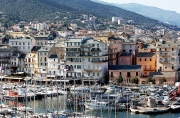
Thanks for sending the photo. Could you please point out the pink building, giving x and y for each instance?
(125, 59)
(126, 71)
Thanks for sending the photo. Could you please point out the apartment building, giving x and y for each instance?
(15, 61)
(41, 39)
(130, 46)
(114, 50)
(24, 44)
(21, 63)
(55, 67)
(86, 58)
(167, 56)
(5, 59)
(43, 54)
(148, 62)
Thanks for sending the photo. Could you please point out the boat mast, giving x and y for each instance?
(34, 94)
(26, 101)
(57, 94)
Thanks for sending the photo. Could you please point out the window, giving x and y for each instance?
(145, 59)
(128, 74)
(88, 73)
(44, 69)
(119, 73)
(93, 74)
(78, 66)
(98, 45)
(111, 74)
(97, 74)
(54, 72)
(172, 49)
(139, 59)
(74, 66)
(124, 50)
(130, 51)
(150, 59)
(136, 73)
(88, 59)
(23, 47)
(28, 47)
(172, 67)
(165, 49)
(12, 43)
(130, 46)
(19, 43)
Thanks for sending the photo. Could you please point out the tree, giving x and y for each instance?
(134, 80)
(150, 79)
(119, 80)
(162, 80)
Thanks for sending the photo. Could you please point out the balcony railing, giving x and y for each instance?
(164, 54)
(92, 69)
(99, 61)
(164, 61)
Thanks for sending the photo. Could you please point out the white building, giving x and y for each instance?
(121, 21)
(92, 19)
(40, 26)
(65, 33)
(85, 17)
(115, 19)
(86, 58)
(55, 66)
(23, 44)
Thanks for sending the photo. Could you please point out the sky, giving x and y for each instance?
(173, 5)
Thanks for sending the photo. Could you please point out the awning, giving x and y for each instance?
(51, 76)
(27, 78)
(13, 78)
(60, 80)
(19, 73)
(42, 80)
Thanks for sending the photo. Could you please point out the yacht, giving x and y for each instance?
(80, 88)
(113, 87)
(100, 105)
(175, 106)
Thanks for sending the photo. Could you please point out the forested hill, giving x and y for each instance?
(49, 9)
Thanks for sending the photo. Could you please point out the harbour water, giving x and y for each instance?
(51, 104)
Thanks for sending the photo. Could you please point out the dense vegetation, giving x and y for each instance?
(43, 10)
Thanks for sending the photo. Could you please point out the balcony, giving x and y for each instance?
(149, 69)
(92, 69)
(5, 57)
(99, 61)
(95, 50)
(164, 61)
(70, 70)
(165, 54)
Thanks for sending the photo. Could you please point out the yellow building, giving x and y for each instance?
(32, 61)
(17, 34)
(148, 62)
